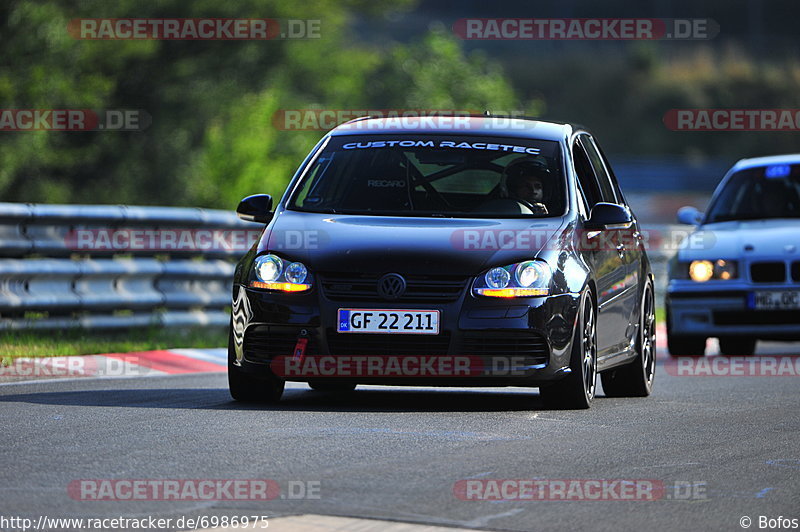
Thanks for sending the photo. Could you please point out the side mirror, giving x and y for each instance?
(255, 208)
(608, 216)
(689, 216)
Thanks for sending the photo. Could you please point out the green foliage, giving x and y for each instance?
(213, 138)
(243, 152)
(623, 97)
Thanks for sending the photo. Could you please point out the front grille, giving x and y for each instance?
(768, 272)
(419, 288)
(357, 344)
(761, 317)
(531, 345)
(796, 271)
(262, 343)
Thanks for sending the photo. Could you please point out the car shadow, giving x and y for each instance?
(297, 400)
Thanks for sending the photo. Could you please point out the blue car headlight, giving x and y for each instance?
(524, 279)
(270, 272)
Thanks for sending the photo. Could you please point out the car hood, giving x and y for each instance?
(381, 244)
(733, 239)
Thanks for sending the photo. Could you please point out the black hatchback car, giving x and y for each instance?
(471, 251)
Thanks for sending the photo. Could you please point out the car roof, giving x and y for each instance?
(477, 125)
(755, 162)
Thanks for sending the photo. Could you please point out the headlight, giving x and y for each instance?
(268, 267)
(497, 278)
(270, 274)
(528, 273)
(296, 273)
(726, 269)
(525, 279)
(706, 270)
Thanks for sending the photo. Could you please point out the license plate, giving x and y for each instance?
(775, 300)
(385, 321)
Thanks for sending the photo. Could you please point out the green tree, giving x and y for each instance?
(243, 152)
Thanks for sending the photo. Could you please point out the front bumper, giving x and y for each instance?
(524, 341)
(723, 311)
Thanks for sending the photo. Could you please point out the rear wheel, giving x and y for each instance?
(249, 388)
(733, 346)
(577, 389)
(636, 379)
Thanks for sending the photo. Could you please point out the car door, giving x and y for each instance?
(628, 241)
(603, 256)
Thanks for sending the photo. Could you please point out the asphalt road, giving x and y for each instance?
(722, 447)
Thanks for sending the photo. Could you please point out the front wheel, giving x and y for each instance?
(576, 391)
(680, 345)
(685, 346)
(248, 388)
(636, 378)
(733, 346)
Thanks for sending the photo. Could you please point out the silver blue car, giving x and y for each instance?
(737, 276)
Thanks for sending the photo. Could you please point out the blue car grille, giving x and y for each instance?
(768, 272)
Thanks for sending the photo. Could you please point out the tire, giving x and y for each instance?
(250, 389)
(636, 378)
(681, 345)
(686, 346)
(332, 386)
(737, 346)
(576, 391)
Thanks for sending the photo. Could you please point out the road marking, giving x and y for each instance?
(113, 365)
(482, 521)
(324, 523)
(217, 356)
(169, 362)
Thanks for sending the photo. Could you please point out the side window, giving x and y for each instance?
(586, 178)
(606, 188)
(614, 182)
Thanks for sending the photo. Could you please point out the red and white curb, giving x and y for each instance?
(138, 364)
(661, 336)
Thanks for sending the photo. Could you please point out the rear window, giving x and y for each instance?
(451, 176)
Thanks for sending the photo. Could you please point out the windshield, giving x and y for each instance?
(434, 175)
(757, 193)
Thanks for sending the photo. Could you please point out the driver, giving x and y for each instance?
(526, 180)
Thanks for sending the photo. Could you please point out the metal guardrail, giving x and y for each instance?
(65, 266)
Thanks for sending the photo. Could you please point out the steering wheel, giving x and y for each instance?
(535, 208)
